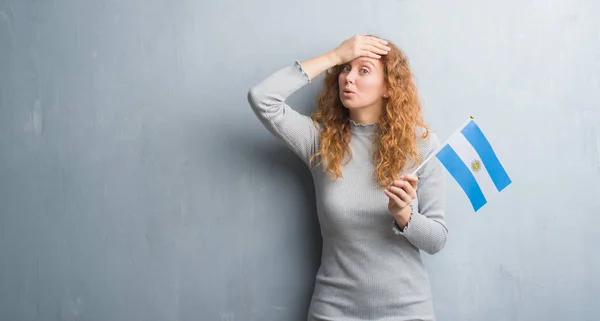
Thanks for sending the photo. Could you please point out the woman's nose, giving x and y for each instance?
(350, 77)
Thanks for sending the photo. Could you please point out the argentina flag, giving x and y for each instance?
(471, 160)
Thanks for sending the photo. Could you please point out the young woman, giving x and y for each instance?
(362, 144)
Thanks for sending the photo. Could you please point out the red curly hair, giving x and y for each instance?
(400, 120)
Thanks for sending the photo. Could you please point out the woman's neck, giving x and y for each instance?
(366, 115)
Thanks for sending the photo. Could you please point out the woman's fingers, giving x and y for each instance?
(407, 187)
(377, 50)
(378, 43)
(380, 46)
(412, 179)
(395, 201)
(391, 195)
(401, 194)
(377, 40)
(361, 45)
(372, 46)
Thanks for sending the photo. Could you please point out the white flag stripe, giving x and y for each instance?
(467, 154)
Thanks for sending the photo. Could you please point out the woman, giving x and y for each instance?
(361, 145)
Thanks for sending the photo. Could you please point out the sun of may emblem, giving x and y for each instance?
(476, 165)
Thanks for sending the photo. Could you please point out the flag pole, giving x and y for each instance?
(441, 146)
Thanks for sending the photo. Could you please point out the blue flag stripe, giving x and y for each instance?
(462, 174)
(475, 136)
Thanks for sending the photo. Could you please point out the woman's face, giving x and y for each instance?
(362, 84)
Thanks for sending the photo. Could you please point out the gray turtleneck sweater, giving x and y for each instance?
(367, 272)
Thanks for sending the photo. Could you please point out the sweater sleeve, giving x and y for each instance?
(267, 100)
(427, 229)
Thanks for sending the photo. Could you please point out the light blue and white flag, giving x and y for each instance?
(470, 159)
